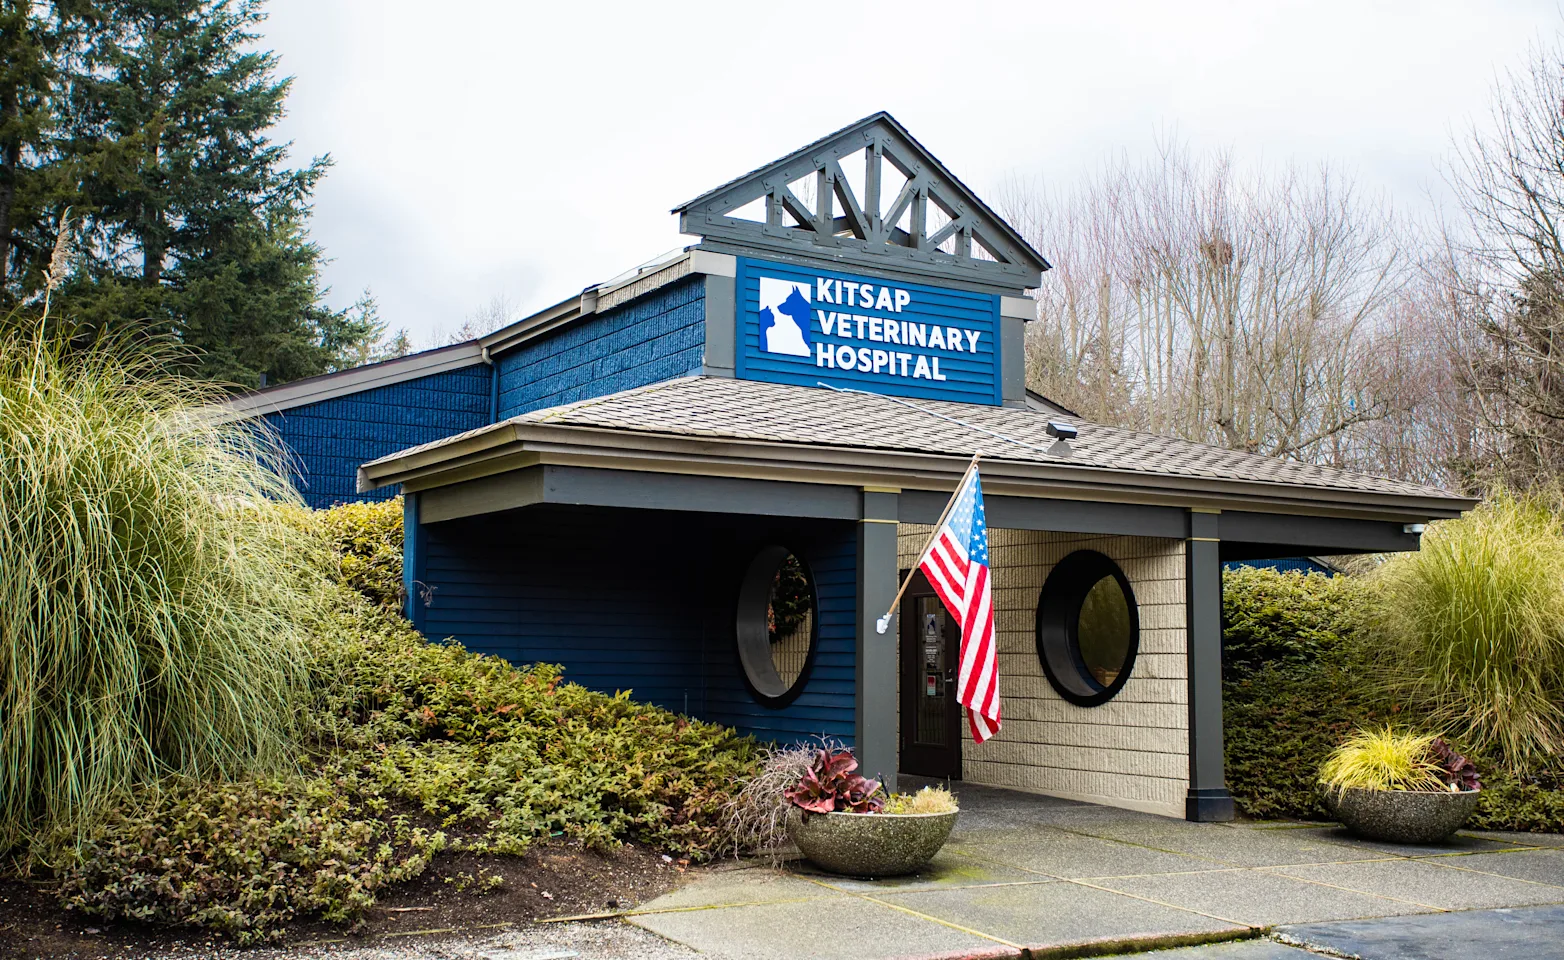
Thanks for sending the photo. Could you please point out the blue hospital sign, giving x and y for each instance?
(806, 326)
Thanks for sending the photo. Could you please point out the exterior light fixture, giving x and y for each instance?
(1062, 431)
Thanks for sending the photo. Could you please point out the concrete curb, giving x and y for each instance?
(1101, 947)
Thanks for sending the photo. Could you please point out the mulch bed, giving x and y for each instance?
(549, 881)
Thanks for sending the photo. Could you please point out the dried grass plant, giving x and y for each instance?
(155, 587)
(1473, 625)
(757, 816)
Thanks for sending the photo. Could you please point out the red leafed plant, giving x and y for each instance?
(831, 784)
(1456, 771)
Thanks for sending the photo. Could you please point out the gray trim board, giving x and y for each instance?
(721, 326)
(1265, 531)
(1012, 361)
(878, 572)
(591, 486)
(496, 449)
(1061, 516)
(1021, 308)
(1207, 800)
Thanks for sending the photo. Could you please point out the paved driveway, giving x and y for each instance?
(1024, 872)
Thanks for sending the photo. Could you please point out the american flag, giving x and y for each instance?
(957, 565)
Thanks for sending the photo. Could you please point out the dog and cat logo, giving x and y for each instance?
(891, 337)
(784, 317)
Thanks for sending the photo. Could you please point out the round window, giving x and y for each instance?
(1087, 628)
(777, 625)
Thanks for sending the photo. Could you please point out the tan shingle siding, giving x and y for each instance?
(1134, 749)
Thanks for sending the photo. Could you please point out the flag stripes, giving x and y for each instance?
(956, 565)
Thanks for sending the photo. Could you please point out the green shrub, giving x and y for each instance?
(245, 858)
(1279, 618)
(1280, 724)
(494, 756)
(513, 754)
(1533, 802)
(154, 598)
(367, 539)
(1473, 625)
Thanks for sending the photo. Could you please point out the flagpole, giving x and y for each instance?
(884, 623)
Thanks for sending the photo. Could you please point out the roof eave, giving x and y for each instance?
(329, 386)
(504, 447)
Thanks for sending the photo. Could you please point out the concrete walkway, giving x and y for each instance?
(1029, 873)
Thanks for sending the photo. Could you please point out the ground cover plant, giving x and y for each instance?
(932, 799)
(417, 751)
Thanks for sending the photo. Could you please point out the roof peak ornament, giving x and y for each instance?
(907, 213)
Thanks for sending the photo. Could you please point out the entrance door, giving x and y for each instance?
(930, 716)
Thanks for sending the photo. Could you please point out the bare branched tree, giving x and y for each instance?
(498, 312)
(1434, 432)
(1502, 273)
(1250, 311)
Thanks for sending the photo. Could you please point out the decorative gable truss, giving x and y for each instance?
(905, 212)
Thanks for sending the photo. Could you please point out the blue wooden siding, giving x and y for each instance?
(331, 438)
(657, 337)
(827, 704)
(641, 601)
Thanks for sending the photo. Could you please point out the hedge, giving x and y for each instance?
(1297, 650)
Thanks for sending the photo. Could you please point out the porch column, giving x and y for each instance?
(1208, 799)
(412, 559)
(876, 673)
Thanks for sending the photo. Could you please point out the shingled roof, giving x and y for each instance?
(726, 409)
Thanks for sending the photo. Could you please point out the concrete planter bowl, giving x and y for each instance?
(870, 844)
(1402, 816)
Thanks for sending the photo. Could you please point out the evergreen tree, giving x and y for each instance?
(193, 222)
(36, 46)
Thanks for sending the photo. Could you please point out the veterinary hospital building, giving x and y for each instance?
(704, 479)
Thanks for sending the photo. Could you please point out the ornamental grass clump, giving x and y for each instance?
(1474, 624)
(155, 589)
(927, 800)
(1384, 759)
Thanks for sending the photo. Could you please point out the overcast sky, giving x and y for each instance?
(531, 149)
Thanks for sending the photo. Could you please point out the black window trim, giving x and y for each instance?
(1058, 622)
(754, 596)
